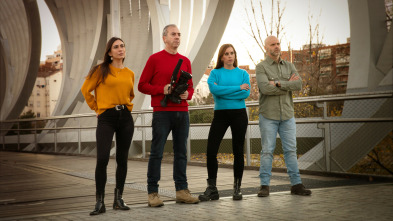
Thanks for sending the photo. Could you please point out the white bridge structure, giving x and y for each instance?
(85, 26)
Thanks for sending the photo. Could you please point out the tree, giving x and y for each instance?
(389, 13)
(202, 116)
(26, 124)
(258, 26)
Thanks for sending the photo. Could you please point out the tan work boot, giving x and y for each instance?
(154, 200)
(184, 196)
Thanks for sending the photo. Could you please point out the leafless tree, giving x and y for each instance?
(314, 45)
(259, 27)
(389, 13)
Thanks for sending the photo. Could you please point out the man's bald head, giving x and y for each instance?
(272, 47)
(270, 38)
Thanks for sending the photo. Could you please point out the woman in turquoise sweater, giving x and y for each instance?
(230, 87)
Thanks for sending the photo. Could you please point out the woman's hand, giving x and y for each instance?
(245, 87)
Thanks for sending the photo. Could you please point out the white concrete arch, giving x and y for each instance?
(20, 38)
(200, 35)
(137, 35)
(80, 25)
(370, 70)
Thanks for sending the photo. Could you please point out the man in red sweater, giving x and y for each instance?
(155, 81)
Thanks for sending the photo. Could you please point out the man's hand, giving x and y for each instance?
(184, 95)
(294, 77)
(272, 83)
(245, 87)
(167, 89)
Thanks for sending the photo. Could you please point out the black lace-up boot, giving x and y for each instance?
(237, 194)
(211, 192)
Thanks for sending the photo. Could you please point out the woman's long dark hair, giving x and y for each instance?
(104, 66)
(221, 53)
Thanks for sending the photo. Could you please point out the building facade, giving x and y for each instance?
(47, 86)
(324, 69)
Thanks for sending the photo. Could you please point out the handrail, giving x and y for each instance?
(324, 98)
(298, 121)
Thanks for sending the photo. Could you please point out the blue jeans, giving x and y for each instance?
(287, 131)
(163, 123)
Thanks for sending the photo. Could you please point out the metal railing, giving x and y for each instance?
(144, 125)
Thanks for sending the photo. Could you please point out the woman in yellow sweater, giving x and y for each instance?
(113, 86)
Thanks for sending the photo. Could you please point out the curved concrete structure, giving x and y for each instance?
(370, 70)
(20, 50)
(85, 26)
(82, 31)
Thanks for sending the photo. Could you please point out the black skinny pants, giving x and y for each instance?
(109, 122)
(236, 119)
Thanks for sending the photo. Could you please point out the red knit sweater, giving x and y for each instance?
(157, 73)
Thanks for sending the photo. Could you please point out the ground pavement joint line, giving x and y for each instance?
(136, 186)
(25, 167)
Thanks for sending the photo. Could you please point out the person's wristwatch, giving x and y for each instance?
(276, 83)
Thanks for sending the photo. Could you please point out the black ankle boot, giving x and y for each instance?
(237, 194)
(118, 202)
(100, 206)
(211, 192)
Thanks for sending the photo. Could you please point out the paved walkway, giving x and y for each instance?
(56, 187)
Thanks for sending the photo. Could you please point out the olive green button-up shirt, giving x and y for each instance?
(276, 103)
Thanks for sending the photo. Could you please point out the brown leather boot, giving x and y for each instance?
(184, 196)
(154, 200)
(299, 189)
(263, 191)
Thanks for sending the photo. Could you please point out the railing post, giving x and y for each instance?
(4, 140)
(326, 134)
(79, 135)
(55, 135)
(18, 127)
(143, 136)
(35, 136)
(189, 140)
(248, 143)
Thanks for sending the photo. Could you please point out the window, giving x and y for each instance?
(324, 53)
(38, 93)
(38, 104)
(38, 114)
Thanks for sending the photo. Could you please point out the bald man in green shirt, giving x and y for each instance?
(277, 79)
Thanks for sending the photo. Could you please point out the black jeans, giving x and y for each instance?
(236, 119)
(109, 122)
(163, 123)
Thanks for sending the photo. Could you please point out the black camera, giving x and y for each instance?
(180, 87)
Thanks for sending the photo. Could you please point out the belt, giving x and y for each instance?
(120, 107)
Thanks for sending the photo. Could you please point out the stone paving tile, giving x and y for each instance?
(333, 198)
(361, 202)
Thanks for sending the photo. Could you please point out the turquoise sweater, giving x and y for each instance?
(225, 84)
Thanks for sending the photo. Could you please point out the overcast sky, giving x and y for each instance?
(333, 20)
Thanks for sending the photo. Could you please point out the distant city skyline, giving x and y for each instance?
(334, 26)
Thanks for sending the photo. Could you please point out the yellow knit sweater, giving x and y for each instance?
(118, 88)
